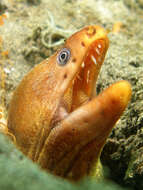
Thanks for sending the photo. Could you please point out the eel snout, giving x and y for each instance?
(75, 145)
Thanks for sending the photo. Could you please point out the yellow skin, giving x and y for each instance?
(55, 115)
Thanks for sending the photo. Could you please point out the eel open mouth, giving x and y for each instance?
(84, 86)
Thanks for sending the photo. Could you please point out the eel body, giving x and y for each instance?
(55, 115)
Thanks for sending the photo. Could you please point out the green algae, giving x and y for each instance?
(17, 172)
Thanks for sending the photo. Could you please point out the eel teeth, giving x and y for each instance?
(94, 59)
(83, 65)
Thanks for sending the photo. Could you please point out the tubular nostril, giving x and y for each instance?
(91, 31)
(97, 50)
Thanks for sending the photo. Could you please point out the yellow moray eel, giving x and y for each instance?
(55, 115)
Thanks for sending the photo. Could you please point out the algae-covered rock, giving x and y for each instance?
(17, 172)
(22, 35)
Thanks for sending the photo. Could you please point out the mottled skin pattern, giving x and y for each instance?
(55, 115)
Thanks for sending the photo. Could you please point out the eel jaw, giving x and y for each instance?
(73, 148)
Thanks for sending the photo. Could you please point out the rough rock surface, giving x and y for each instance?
(31, 25)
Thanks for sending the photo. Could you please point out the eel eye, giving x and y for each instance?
(63, 56)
